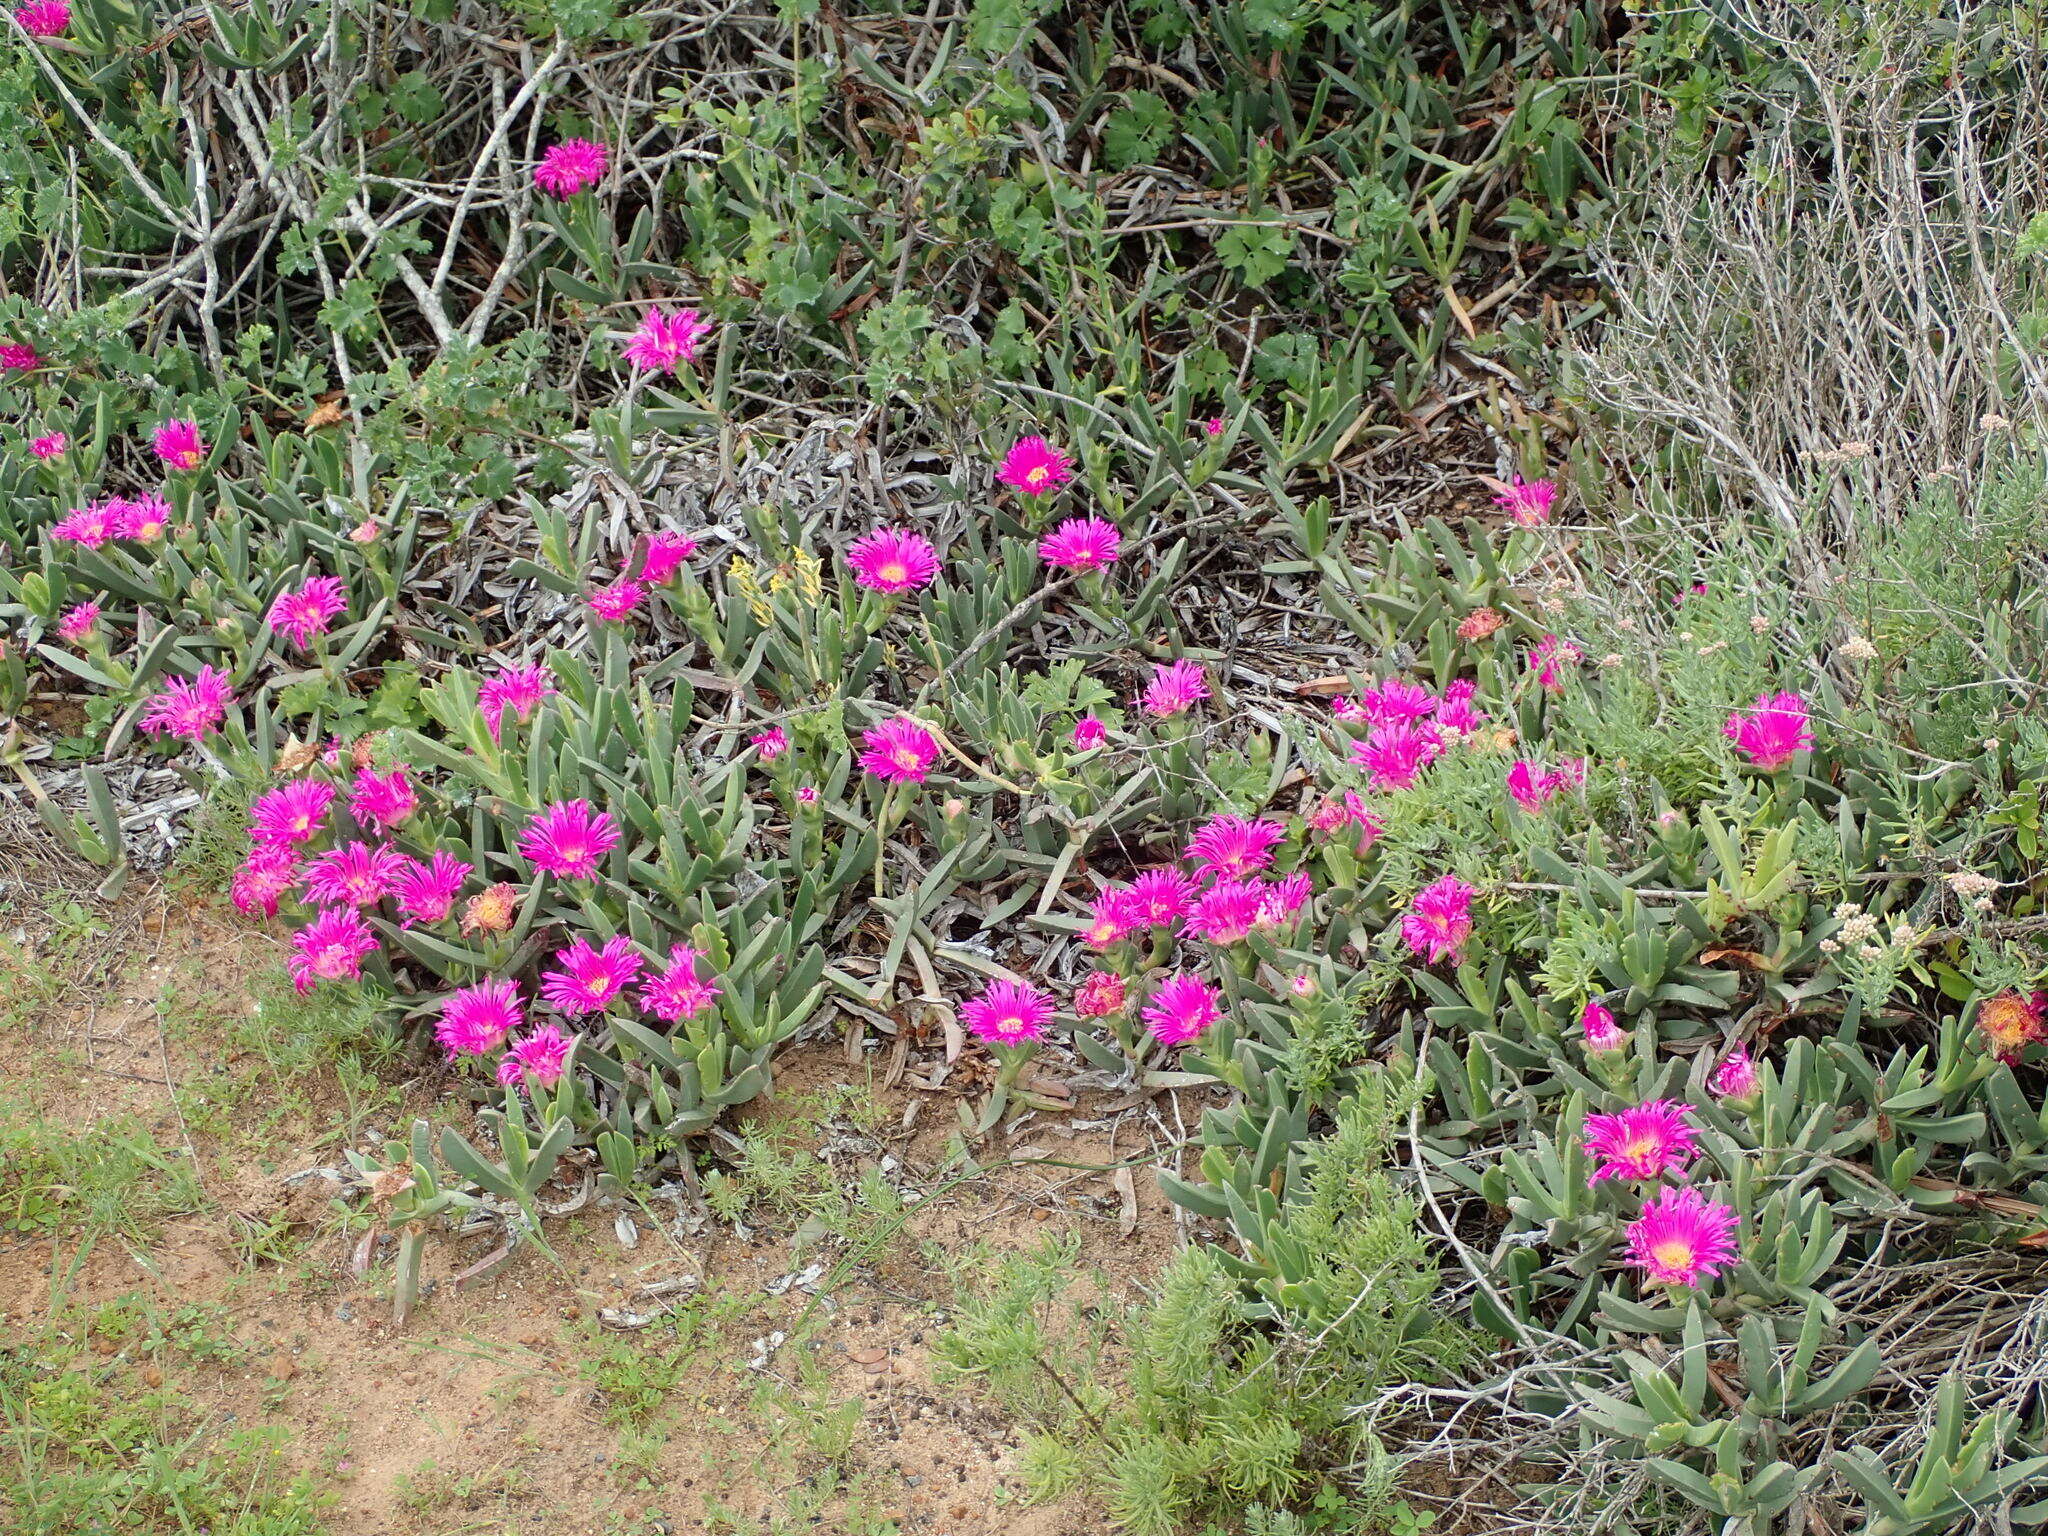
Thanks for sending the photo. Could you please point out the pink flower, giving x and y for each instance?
(330, 948)
(568, 838)
(1735, 1078)
(680, 991)
(1439, 921)
(1232, 845)
(1160, 897)
(1527, 501)
(49, 447)
(426, 893)
(1455, 712)
(1395, 753)
(1081, 544)
(77, 624)
(807, 795)
(899, 751)
(477, 1019)
(179, 444)
(1601, 1032)
(291, 813)
(382, 802)
(771, 743)
(893, 560)
(518, 689)
(1099, 996)
(1180, 1008)
(189, 709)
(665, 555)
(540, 1058)
(1008, 1013)
(91, 525)
(1396, 701)
(1035, 467)
(1334, 814)
(1174, 688)
(618, 600)
(1547, 656)
(356, 874)
(38, 18)
(1772, 733)
(1350, 711)
(364, 532)
(1645, 1142)
(1283, 898)
(14, 355)
(308, 609)
(262, 880)
(1682, 1237)
(590, 978)
(1213, 426)
(570, 166)
(1115, 915)
(142, 519)
(1531, 789)
(1227, 911)
(1089, 732)
(1301, 984)
(664, 343)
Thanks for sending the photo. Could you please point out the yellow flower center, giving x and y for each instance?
(1035, 475)
(1641, 1147)
(1674, 1253)
(904, 758)
(894, 572)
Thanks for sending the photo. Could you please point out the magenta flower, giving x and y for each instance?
(1081, 544)
(1227, 911)
(1113, 918)
(680, 991)
(1645, 1142)
(1284, 898)
(807, 794)
(1180, 1008)
(617, 601)
(189, 709)
(291, 813)
(263, 879)
(1101, 995)
(899, 751)
(518, 689)
(38, 18)
(426, 893)
(78, 623)
(1395, 753)
(308, 609)
(665, 555)
(771, 743)
(382, 801)
(477, 1019)
(570, 166)
(1035, 467)
(1682, 1237)
(1350, 711)
(1548, 657)
(1160, 897)
(330, 948)
(1174, 688)
(1601, 1032)
(1735, 1078)
(1439, 921)
(893, 560)
(1089, 732)
(1232, 845)
(664, 342)
(142, 519)
(179, 444)
(1455, 712)
(18, 357)
(49, 447)
(356, 874)
(91, 525)
(1772, 733)
(1008, 1013)
(568, 838)
(1527, 501)
(1396, 702)
(542, 1057)
(1213, 426)
(589, 978)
